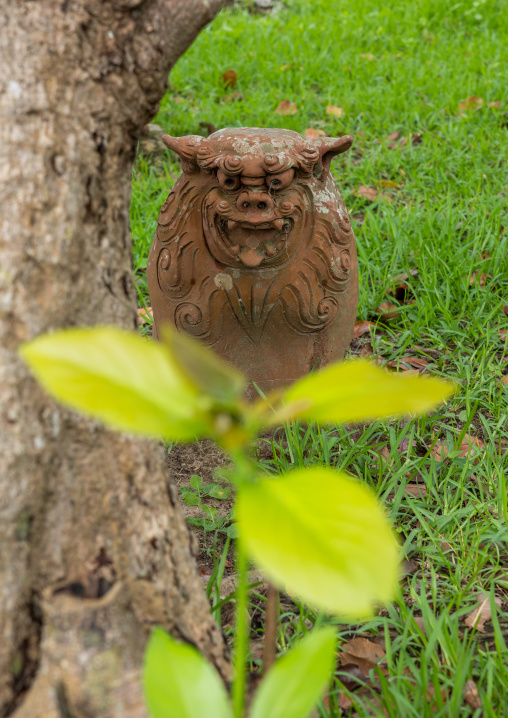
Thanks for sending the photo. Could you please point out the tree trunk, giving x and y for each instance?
(93, 547)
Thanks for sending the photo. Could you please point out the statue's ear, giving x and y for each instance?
(328, 147)
(187, 149)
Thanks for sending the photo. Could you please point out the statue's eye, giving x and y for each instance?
(281, 181)
(228, 182)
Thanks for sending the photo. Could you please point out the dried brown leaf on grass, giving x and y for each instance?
(478, 278)
(229, 78)
(415, 139)
(503, 333)
(481, 613)
(367, 351)
(334, 111)
(416, 363)
(416, 490)
(369, 193)
(362, 328)
(344, 702)
(469, 446)
(471, 695)
(286, 108)
(505, 309)
(387, 311)
(363, 653)
(145, 314)
(311, 133)
(470, 103)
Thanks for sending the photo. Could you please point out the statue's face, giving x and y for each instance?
(252, 218)
(259, 188)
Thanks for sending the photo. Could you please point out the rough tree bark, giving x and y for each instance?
(93, 548)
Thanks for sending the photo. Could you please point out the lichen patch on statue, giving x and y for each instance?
(254, 252)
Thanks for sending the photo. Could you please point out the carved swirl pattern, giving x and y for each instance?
(307, 281)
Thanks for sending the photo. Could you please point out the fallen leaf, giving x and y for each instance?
(424, 350)
(421, 624)
(482, 613)
(416, 362)
(367, 351)
(334, 111)
(415, 138)
(470, 103)
(471, 695)
(468, 447)
(504, 381)
(409, 567)
(145, 314)
(505, 309)
(344, 702)
(369, 193)
(419, 492)
(229, 78)
(405, 275)
(311, 133)
(362, 328)
(351, 676)
(496, 104)
(503, 333)
(363, 653)
(286, 108)
(387, 311)
(478, 278)
(394, 136)
(283, 68)
(388, 183)
(368, 56)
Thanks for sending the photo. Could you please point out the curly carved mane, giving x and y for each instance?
(201, 290)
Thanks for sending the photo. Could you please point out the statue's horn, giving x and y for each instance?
(328, 147)
(186, 148)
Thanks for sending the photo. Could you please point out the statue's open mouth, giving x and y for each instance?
(254, 243)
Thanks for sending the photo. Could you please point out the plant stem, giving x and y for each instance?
(270, 642)
(241, 631)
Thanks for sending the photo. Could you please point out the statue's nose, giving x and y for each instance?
(254, 204)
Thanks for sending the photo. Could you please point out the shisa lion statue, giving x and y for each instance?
(254, 252)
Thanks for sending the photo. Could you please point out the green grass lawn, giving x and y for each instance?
(433, 71)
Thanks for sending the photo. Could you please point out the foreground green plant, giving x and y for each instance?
(337, 553)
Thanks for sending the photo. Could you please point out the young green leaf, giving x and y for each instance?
(322, 536)
(204, 368)
(354, 391)
(196, 482)
(294, 684)
(121, 379)
(219, 492)
(180, 683)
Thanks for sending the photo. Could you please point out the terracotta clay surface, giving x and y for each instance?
(254, 252)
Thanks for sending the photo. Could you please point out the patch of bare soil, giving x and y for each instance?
(204, 459)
